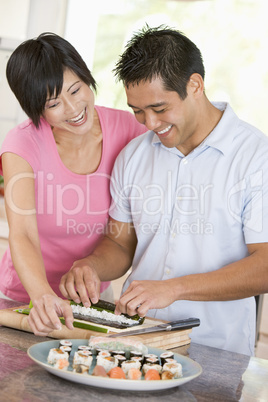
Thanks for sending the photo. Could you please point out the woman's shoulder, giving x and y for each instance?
(25, 138)
(27, 128)
(117, 121)
(110, 112)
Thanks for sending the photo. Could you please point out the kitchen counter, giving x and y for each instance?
(226, 376)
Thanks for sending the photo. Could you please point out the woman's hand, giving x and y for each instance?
(141, 296)
(45, 313)
(81, 283)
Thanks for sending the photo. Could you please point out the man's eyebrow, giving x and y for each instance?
(158, 104)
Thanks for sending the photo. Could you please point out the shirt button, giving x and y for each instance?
(167, 271)
(173, 235)
(185, 161)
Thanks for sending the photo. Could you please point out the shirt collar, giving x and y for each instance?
(221, 137)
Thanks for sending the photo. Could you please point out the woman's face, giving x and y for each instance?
(73, 110)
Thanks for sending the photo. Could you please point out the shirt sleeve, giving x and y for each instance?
(22, 141)
(255, 211)
(120, 206)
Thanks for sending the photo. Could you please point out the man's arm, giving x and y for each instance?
(110, 260)
(244, 278)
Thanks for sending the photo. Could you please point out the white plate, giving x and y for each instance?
(39, 352)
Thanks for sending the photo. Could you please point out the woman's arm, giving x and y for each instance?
(25, 246)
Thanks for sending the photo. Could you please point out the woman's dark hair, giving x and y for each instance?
(160, 52)
(35, 71)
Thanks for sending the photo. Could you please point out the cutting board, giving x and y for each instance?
(162, 340)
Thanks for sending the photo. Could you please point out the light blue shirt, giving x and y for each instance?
(195, 214)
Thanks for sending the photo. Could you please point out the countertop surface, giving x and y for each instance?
(226, 376)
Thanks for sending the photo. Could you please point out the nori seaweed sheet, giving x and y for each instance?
(109, 307)
(96, 320)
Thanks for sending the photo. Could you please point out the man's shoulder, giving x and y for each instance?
(142, 141)
(136, 149)
(250, 140)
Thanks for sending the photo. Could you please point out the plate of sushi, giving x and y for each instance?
(117, 363)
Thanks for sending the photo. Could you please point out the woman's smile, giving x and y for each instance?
(78, 120)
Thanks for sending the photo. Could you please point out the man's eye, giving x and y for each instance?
(159, 111)
(137, 111)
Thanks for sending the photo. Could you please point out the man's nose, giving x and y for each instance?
(152, 122)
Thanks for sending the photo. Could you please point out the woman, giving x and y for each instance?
(56, 168)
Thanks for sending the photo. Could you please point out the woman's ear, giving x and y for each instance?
(196, 85)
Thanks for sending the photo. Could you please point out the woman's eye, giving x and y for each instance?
(51, 106)
(75, 91)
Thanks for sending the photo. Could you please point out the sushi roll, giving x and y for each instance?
(83, 357)
(127, 365)
(148, 366)
(62, 364)
(66, 349)
(118, 352)
(120, 359)
(135, 353)
(99, 350)
(56, 354)
(174, 368)
(104, 353)
(137, 359)
(151, 360)
(166, 355)
(107, 362)
(84, 347)
(64, 342)
(81, 369)
(167, 375)
(170, 361)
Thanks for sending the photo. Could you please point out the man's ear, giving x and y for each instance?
(196, 85)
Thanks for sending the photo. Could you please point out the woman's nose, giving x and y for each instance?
(69, 106)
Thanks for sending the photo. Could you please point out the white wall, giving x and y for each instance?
(21, 20)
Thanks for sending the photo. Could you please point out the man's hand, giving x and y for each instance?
(45, 313)
(81, 283)
(141, 296)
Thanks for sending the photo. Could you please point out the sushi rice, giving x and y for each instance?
(104, 315)
(107, 362)
(148, 366)
(175, 368)
(82, 357)
(129, 364)
(56, 354)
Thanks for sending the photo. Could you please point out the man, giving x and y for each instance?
(190, 202)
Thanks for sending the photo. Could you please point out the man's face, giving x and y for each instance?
(173, 120)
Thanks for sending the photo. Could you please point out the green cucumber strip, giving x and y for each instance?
(83, 325)
(75, 323)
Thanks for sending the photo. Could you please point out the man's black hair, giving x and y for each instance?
(160, 52)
